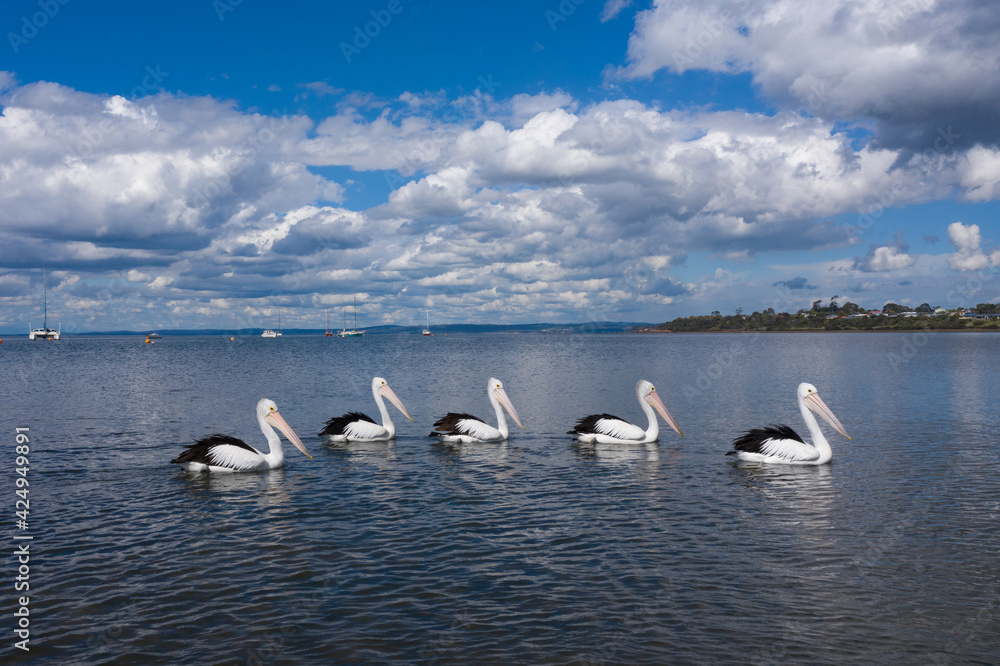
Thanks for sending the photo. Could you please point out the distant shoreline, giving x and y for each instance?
(593, 328)
(320, 334)
(984, 318)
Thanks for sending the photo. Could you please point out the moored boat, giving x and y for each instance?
(268, 333)
(355, 333)
(44, 333)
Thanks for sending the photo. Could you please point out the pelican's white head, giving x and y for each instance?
(267, 412)
(646, 392)
(381, 387)
(809, 396)
(495, 390)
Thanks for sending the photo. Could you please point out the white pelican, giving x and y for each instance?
(222, 453)
(465, 428)
(781, 444)
(608, 429)
(358, 427)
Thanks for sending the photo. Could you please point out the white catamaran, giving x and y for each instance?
(44, 333)
(427, 330)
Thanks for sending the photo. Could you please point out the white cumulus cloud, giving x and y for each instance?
(889, 257)
(969, 255)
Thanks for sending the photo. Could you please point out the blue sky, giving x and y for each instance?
(203, 164)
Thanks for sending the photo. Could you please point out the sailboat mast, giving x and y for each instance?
(355, 313)
(45, 301)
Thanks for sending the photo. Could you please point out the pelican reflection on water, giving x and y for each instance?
(618, 453)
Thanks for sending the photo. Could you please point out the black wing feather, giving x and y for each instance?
(449, 423)
(336, 425)
(588, 424)
(752, 440)
(199, 451)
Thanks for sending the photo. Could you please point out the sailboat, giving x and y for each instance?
(355, 333)
(44, 333)
(427, 330)
(328, 333)
(268, 333)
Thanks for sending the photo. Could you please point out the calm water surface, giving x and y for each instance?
(539, 550)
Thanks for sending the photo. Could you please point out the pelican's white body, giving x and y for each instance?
(479, 431)
(618, 431)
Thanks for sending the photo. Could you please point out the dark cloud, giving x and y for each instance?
(13, 284)
(924, 76)
(300, 242)
(664, 286)
(794, 283)
(931, 240)
(32, 253)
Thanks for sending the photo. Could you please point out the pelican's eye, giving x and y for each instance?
(272, 409)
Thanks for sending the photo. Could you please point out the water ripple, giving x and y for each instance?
(539, 550)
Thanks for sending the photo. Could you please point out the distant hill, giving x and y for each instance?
(451, 329)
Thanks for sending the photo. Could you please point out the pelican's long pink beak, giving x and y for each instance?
(501, 396)
(816, 404)
(275, 419)
(394, 399)
(657, 404)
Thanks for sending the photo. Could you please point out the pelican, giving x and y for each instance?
(358, 427)
(222, 453)
(465, 428)
(781, 444)
(608, 429)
